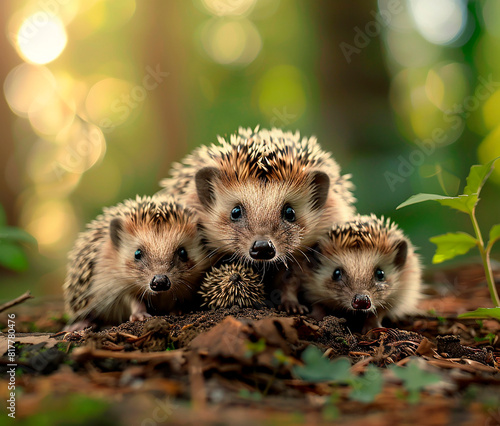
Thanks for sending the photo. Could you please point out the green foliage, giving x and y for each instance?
(317, 368)
(452, 244)
(255, 348)
(414, 379)
(483, 313)
(70, 410)
(12, 255)
(367, 387)
(320, 369)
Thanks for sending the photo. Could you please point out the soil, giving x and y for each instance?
(250, 366)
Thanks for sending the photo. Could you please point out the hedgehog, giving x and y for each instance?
(232, 284)
(368, 269)
(141, 251)
(264, 198)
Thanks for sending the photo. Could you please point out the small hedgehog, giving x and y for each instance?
(232, 284)
(367, 266)
(264, 197)
(143, 250)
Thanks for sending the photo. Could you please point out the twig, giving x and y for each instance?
(16, 301)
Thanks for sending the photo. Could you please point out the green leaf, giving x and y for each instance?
(414, 378)
(367, 387)
(477, 177)
(12, 257)
(494, 234)
(482, 313)
(320, 369)
(10, 233)
(451, 245)
(420, 198)
(464, 203)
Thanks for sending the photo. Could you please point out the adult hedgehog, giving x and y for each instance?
(264, 196)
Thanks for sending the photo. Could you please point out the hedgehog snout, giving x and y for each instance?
(160, 283)
(361, 301)
(262, 250)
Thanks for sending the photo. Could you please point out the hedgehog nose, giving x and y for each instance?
(361, 301)
(160, 283)
(262, 250)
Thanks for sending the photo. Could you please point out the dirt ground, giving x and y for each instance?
(248, 366)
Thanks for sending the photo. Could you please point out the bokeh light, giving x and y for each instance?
(41, 38)
(282, 88)
(228, 7)
(228, 41)
(440, 22)
(27, 87)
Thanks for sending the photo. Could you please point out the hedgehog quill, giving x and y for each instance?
(368, 268)
(264, 197)
(232, 284)
(141, 251)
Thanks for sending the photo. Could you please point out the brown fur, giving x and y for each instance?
(106, 284)
(358, 248)
(263, 171)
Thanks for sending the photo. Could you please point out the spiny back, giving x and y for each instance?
(266, 155)
(365, 232)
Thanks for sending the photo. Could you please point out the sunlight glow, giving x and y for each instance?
(440, 22)
(41, 38)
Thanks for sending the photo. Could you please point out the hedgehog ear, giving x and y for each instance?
(204, 184)
(320, 184)
(115, 229)
(401, 254)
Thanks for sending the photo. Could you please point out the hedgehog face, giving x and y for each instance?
(359, 279)
(158, 257)
(261, 221)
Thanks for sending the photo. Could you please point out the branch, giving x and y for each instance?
(16, 301)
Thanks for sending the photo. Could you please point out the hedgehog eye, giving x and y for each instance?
(236, 213)
(337, 275)
(289, 213)
(138, 254)
(183, 254)
(379, 274)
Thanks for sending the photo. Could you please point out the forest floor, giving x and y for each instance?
(246, 366)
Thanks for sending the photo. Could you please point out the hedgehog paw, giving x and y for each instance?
(293, 307)
(139, 316)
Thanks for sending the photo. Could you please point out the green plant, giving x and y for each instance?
(317, 368)
(12, 255)
(453, 244)
(414, 379)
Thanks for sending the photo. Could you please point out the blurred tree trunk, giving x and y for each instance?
(7, 118)
(163, 47)
(354, 89)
